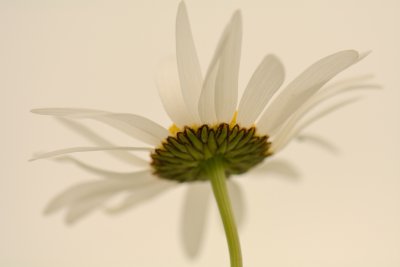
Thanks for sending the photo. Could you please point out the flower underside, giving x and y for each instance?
(183, 157)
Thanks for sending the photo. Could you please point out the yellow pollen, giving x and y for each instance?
(173, 129)
(233, 121)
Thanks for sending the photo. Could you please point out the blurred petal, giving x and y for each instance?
(324, 94)
(292, 130)
(278, 166)
(325, 112)
(98, 171)
(85, 149)
(188, 63)
(265, 81)
(138, 127)
(79, 210)
(238, 202)
(90, 135)
(171, 94)
(140, 195)
(134, 125)
(207, 102)
(207, 98)
(69, 112)
(85, 191)
(302, 88)
(226, 88)
(194, 217)
(319, 141)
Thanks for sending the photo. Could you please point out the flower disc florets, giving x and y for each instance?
(183, 157)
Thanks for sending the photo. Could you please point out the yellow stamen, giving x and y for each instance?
(173, 129)
(233, 121)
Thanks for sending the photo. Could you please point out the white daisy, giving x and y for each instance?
(212, 136)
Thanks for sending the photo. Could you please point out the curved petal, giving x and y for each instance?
(95, 138)
(69, 112)
(280, 167)
(265, 81)
(171, 93)
(238, 202)
(194, 217)
(206, 105)
(207, 98)
(89, 190)
(85, 149)
(293, 130)
(302, 88)
(332, 91)
(78, 211)
(139, 195)
(188, 63)
(134, 125)
(318, 141)
(325, 112)
(226, 88)
(349, 81)
(323, 95)
(108, 174)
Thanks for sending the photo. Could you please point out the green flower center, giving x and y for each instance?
(182, 158)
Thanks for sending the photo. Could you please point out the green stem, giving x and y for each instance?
(216, 173)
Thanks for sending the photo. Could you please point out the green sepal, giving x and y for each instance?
(184, 158)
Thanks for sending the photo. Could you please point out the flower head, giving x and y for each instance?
(209, 124)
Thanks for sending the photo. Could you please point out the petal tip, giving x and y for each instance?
(237, 17)
(364, 54)
(182, 10)
(39, 111)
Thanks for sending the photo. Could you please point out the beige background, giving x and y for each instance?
(338, 206)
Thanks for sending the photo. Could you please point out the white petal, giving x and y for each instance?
(324, 94)
(207, 98)
(292, 130)
(321, 96)
(238, 203)
(206, 103)
(171, 94)
(134, 125)
(332, 91)
(273, 167)
(108, 174)
(194, 217)
(137, 126)
(349, 81)
(318, 98)
(93, 189)
(82, 207)
(140, 195)
(69, 112)
(325, 112)
(318, 141)
(364, 55)
(302, 88)
(188, 63)
(226, 88)
(79, 210)
(265, 81)
(95, 138)
(86, 149)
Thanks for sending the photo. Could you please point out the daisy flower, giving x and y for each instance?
(212, 137)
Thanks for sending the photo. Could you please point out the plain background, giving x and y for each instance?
(338, 206)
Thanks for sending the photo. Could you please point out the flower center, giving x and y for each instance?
(182, 158)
